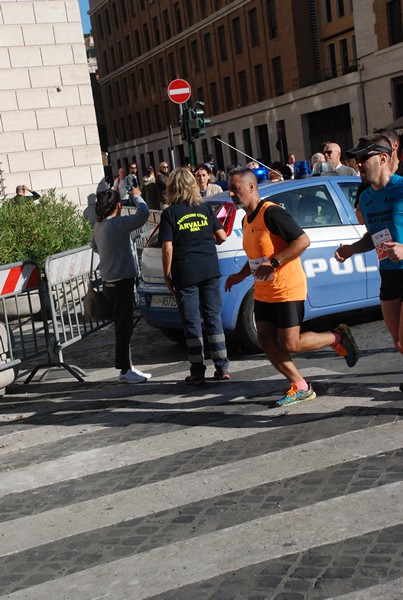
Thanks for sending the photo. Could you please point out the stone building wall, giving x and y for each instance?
(48, 130)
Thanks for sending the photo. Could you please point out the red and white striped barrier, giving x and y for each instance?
(22, 335)
(18, 278)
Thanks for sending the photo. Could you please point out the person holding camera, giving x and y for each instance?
(112, 241)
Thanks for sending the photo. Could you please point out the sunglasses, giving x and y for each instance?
(328, 151)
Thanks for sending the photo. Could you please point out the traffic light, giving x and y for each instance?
(193, 122)
(197, 121)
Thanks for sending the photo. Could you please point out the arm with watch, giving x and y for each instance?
(294, 249)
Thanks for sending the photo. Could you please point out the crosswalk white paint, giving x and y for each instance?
(129, 453)
(28, 532)
(192, 560)
(19, 440)
(198, 557)
(36, 435)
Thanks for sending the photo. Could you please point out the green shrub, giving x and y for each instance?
(36, 230)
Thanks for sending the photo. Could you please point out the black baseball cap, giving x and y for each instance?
(367, 148)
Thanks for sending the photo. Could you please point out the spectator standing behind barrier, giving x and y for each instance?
(273, 243)
(112, 241)
(221, 180)
(21, 194)
(132, 179)
(332, 153)
(203, 180)
(119, 185)
(316, 161)
(187, 164)
(192, 273)
(290, 164)
(209, 162)
(149, 189)
(161, 179)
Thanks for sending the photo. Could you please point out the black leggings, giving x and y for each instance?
(121, 295)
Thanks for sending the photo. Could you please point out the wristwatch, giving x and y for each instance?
(274, 263)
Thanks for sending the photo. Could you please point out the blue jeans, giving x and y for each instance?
(203, 300)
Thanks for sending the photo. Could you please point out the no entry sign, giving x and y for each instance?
(179, 91)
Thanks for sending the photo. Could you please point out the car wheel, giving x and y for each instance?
(246, 326)
(175, 335)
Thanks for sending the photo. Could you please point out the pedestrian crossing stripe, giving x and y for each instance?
(197, 557)
(192, 560)
(44, 528)
(85, 463)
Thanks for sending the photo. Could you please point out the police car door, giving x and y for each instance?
(320, 212)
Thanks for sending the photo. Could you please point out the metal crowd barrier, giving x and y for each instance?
(67, 277)
(140, 236)
(24, 332)
(155, 216)
(45, 316)
(139, 239)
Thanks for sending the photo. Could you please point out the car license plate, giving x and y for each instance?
(163, 302)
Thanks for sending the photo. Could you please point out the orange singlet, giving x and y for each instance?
(288, 282)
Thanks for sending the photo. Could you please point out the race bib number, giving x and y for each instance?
(379, 238)
(254, 264)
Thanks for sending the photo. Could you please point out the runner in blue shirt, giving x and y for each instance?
(381, 206)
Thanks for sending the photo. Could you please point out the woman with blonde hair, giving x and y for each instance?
(189, 230)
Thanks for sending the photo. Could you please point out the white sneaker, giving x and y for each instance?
(138, 372)
(131, 377)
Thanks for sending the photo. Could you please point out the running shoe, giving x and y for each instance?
(347, 346)
(221, 375)
(295, 395)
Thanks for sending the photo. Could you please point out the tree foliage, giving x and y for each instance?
(37, 229)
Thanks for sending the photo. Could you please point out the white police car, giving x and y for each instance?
(323, 206)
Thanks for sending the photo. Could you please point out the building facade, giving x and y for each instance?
(276, 76)
(48, 130)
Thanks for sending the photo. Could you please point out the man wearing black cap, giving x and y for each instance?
(381, 206)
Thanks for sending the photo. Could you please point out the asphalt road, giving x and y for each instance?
(163, 491)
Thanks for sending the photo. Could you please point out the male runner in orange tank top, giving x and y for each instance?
(273, 242)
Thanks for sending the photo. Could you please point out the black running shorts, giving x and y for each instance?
(391, 284)
(282, 314)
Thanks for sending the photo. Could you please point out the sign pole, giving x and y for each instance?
(171, 147)
(192, 153)
(179, 91)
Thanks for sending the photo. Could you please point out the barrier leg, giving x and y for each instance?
(75, 371)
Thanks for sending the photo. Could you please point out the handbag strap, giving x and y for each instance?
(92, 277)
(92, 262)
